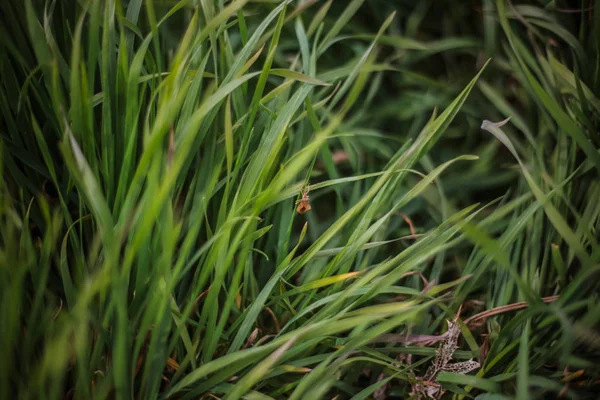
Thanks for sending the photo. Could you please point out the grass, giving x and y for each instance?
(152, 153)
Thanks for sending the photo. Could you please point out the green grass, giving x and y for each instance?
(152, 151)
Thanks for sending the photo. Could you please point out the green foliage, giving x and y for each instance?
(151, 153)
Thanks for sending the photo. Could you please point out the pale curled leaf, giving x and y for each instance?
(463, 367)
(494, 129)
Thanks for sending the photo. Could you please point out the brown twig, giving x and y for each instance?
(197, 302)
(425, 281)
(503, 309)
(411, 226)
(277, 326)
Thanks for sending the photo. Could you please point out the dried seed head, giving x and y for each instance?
(303, 207)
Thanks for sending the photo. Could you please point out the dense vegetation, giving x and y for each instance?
(152, 153)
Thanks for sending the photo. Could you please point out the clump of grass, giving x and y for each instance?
(152, 154)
